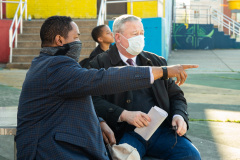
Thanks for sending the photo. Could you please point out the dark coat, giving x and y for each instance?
(85, 62)
(166, 93)
(56, 117)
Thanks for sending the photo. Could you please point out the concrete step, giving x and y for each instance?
(36, 51)
(36, 30)
(18, 65)
(29, 58)
(80, 23)
(36, 37)
(37, 44)
(29, 37)
(26, 65)
(23, 58)
(29, 43)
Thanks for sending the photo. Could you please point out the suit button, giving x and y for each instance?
(110, 110)
(128, 101)
(106, 153)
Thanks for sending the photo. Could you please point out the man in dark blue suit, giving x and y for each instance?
(56, 117)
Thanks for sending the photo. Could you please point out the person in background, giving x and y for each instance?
(104, 37)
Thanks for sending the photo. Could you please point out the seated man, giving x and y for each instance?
(56, 118)
(104, 37)
(127, 110)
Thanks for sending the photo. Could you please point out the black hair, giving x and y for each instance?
(53, 26)
(97, 32)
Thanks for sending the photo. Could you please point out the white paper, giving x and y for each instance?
(157, 116)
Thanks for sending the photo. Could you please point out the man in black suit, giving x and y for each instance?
(127, 110)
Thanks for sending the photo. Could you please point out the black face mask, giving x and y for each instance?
(72, 50)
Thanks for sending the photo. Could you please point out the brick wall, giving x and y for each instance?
(46, 8)
(227, 12)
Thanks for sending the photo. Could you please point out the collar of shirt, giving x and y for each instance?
(124, 59)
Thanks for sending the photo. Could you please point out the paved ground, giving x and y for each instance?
(212, 92)
(213, 95)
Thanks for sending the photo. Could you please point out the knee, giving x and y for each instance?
(190, 153)
(195, 154)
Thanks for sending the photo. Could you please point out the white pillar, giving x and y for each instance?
(131, 3)
(160, 8)
(16, 31)
(21, 19)
(1, 11)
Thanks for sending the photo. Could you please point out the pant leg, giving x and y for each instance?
(161, 143)
(135, 141)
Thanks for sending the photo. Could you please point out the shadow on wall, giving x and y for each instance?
(200, 36)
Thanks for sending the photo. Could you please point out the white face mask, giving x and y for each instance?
(136, 45)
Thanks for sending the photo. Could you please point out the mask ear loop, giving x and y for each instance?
(120, 43)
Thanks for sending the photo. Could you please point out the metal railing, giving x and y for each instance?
(13, 33)
(192, 14)
(101, 16)
(207, 15)
(226, 22)
(103, 8)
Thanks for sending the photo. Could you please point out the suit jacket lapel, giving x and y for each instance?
(144, 60)
(115, 57)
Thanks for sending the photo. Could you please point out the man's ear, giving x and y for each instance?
(58, 40)
(117, 37)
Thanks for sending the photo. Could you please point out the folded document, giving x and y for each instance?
(157, 116)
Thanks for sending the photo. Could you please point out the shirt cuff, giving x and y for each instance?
(151, 75)
(177, 115)
(119, 120)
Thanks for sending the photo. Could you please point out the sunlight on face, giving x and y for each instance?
(74, 34)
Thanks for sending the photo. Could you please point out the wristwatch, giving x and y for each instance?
(165, 73)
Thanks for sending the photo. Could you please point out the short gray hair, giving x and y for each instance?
(119, 22)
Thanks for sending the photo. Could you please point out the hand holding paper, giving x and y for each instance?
(157, 116)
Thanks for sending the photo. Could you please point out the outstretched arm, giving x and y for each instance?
(177, 71)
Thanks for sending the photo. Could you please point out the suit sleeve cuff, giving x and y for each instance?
(101, 119)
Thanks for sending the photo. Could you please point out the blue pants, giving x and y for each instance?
(160, 145)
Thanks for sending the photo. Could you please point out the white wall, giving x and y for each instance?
(197, 11)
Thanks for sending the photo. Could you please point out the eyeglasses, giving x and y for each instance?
(175, 130)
